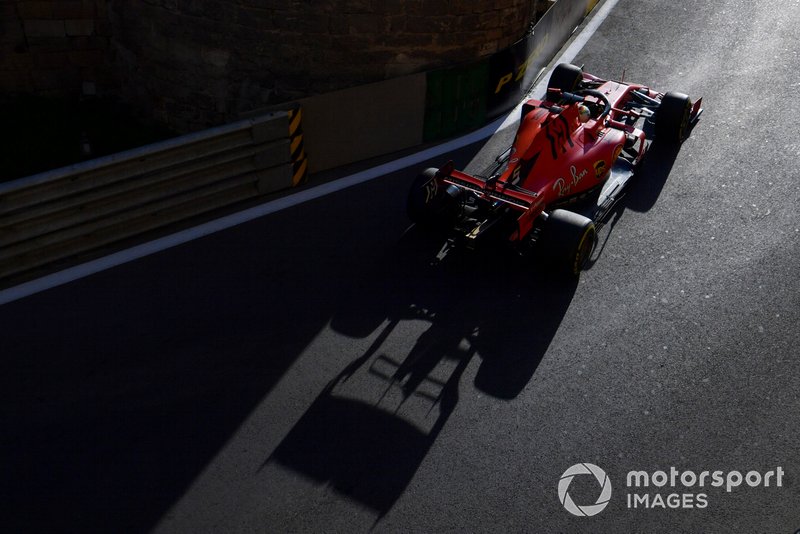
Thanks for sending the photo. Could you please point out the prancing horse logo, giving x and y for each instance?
(600, 168)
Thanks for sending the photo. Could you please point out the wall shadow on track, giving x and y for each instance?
(117, 391)
(366, 442)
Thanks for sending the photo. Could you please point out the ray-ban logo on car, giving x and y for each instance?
(584, 510)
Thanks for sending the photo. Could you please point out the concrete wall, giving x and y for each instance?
(369, 120)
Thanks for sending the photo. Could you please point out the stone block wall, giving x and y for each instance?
(197, 63)
(203, 62)
(54, 47)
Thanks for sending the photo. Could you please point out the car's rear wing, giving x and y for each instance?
(490, 188)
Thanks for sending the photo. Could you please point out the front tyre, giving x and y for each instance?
(567, 241)
(672, 118)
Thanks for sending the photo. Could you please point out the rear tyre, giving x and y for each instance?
(431, 203)
(566, 77)
(567, 241)
(672, 118)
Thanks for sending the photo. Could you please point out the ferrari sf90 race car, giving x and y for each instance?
(572, 158)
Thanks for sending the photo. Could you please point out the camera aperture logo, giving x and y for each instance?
(589, 509)
(667, 489)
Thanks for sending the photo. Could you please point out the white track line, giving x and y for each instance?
(579, 41)
(87, 269)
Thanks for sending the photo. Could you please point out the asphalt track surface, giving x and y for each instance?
(321, 370)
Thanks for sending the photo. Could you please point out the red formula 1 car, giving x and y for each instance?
(579, 148)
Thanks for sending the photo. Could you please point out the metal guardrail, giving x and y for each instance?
(74, 210)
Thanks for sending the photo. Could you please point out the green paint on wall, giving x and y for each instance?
(455, 100)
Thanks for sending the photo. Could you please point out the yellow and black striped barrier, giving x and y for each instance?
(298, 153)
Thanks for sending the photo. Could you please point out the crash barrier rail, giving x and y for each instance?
(75, 210)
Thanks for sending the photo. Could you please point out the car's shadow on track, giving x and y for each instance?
(653, 175)
(367, 442)
(503, 306)
(643, 192)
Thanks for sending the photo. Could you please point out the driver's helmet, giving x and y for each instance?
(583, 113)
